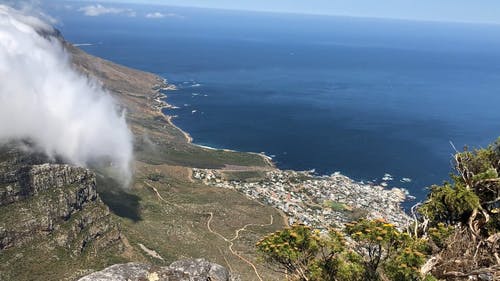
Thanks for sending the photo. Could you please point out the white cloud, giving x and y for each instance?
(43, 99)
(155, 15)
(98, 10)
(158, 15)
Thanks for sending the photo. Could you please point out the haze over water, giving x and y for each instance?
(360, 96)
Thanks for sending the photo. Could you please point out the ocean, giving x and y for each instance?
(364, 97)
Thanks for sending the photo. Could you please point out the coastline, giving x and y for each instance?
(159, 98)
(367, 194)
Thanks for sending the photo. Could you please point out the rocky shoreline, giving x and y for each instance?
(159, 103)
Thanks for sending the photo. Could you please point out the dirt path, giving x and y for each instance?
(159, 195)
(284, 217)
(150, 252)
(190, 175)
(236, 236)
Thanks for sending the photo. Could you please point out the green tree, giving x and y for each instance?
(306, 254)
(380, 250)
(473, 196)
(387, 251)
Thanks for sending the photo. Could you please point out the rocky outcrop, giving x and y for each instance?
(27, 181)
(59, 200)
(184, 270)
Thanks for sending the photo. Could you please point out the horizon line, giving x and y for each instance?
(289, 12)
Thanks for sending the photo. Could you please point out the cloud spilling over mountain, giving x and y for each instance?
(44, 100)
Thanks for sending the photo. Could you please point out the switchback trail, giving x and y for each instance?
(159, 195)
(236, 236)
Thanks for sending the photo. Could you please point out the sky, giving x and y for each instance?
(477, 11)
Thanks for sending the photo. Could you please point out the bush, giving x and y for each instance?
(473, 196)
(306, 254)
(381, 249)
(388, 252)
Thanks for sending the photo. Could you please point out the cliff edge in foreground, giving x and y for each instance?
(184, 270)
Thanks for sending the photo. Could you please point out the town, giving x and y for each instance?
(317, 201)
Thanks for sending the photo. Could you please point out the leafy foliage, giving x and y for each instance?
(294, 249)
(155, 177)
(307, 254)
(474, 191)
(450, 203)
(465, 214)
(440, 234)
(387, 251)
(377, 238)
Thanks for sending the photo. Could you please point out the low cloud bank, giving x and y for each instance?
(44, 100)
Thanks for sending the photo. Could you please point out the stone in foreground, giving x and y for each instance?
(184, 270)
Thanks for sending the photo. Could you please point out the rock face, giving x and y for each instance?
(40, 199)
(184, 270)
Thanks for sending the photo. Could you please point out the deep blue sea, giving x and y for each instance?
(361, 96)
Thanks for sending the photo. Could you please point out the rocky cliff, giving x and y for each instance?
(48, 207)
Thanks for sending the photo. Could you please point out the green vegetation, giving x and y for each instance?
(461, 218)
(473, 197)
(455, 235)
(156, 177)
(190, 155)
(381, 250)
(335, 206)
(245, 176)
(388, 251)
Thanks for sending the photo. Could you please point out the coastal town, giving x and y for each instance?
(318, 201)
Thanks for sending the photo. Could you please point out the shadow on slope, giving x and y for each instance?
(119, 201)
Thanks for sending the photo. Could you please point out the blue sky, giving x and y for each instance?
(484, 11)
